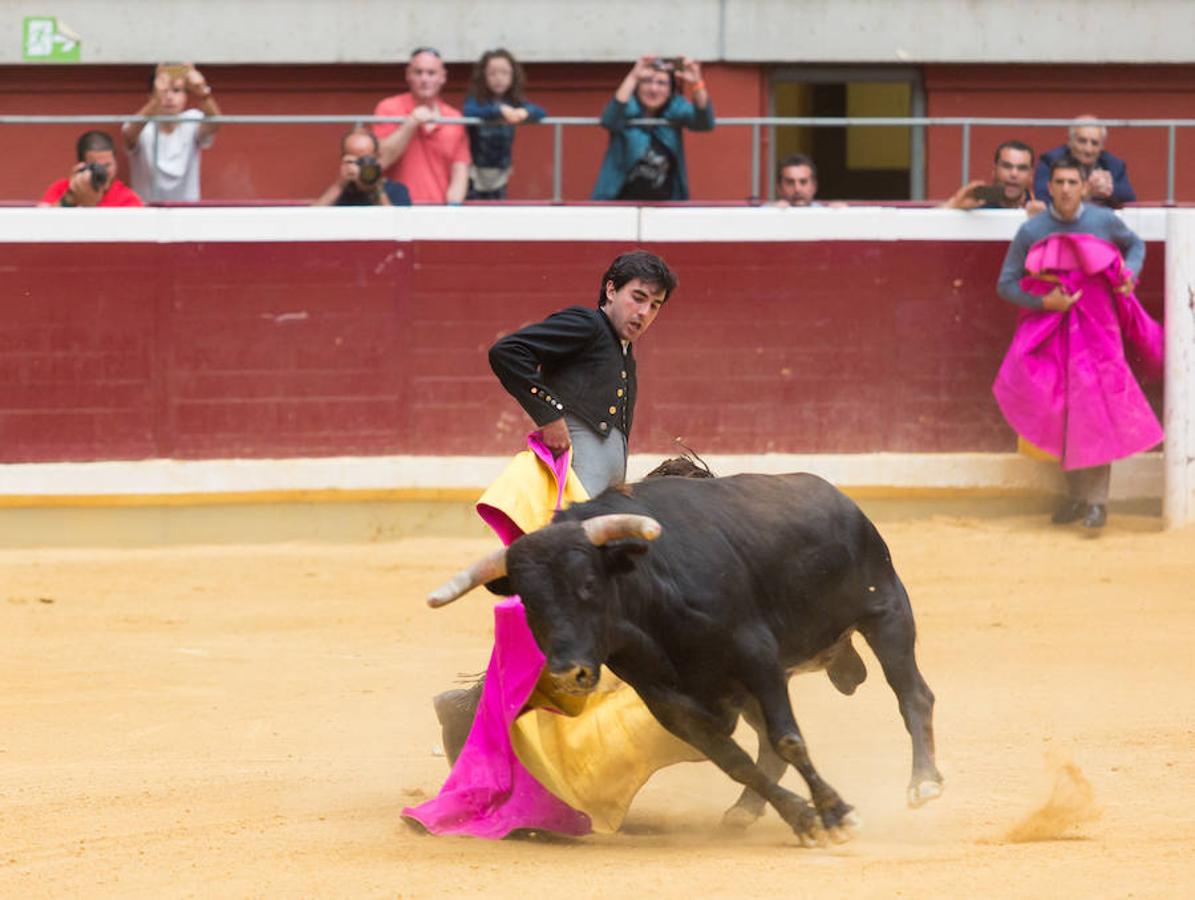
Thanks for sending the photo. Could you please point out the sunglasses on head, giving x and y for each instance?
(432, 50)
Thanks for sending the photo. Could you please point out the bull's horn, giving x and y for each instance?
(602, 529)
(485, 569)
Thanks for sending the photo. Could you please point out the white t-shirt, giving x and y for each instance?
(177, 176)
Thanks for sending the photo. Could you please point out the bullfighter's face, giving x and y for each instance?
(1066, 191)
(633, 307)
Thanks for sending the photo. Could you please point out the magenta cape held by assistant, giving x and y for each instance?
(489, 792)
(1066, 384)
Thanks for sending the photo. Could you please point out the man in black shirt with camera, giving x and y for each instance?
(361, 182)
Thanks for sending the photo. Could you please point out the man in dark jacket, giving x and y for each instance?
(1106, 176)
(574, 372)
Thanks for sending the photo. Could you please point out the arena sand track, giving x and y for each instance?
(249, 721)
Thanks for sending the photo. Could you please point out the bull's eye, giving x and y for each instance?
(587, 588)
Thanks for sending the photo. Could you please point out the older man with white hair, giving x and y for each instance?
(1106, 177)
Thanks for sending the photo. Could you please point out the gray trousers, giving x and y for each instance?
(1089, 485)
(599, 462)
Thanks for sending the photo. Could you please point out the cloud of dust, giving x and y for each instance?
(1071, 803)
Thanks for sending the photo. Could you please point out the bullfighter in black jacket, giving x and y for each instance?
(574, 372)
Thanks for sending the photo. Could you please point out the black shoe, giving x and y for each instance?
(1069, 511)
(1097, 516)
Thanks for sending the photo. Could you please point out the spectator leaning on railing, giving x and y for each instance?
(360, 181)
(496, 95)
(1106, 177)
(92, 181)
(648, 162)
(430, 158)
(1011, 186)
(164, 156)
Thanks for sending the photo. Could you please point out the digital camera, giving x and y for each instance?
(369, 170)
(99, 174)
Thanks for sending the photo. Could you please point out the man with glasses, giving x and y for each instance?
(429, 157)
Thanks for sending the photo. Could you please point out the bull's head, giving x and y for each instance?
(563, 574)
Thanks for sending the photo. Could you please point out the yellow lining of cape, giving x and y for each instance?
(593, 752)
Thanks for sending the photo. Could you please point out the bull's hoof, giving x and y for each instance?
(837, 814)
(739, 818)
(920, 794)
(804, 821)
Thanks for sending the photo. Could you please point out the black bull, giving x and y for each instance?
(746, 580)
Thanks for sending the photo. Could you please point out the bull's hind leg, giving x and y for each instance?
(684, 718)
(750, 805)
(891, 635)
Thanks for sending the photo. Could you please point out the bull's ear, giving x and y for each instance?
(500, 586)
(619, 555)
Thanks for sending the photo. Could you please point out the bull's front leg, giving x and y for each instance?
(750, 805)
(685, 718)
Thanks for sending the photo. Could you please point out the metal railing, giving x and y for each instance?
(755, 123)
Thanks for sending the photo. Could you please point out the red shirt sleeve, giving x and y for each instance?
(55, 191)
(381, 129)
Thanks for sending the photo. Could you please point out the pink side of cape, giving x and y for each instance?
(1066, 384)
(489, 793)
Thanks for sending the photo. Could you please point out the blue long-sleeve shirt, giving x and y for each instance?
(1094, 220)
(491, 143)
(628, 143)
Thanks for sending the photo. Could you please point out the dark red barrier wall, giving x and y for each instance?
(211, 350)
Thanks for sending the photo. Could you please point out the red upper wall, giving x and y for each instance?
(289, 162)
(1113, 92)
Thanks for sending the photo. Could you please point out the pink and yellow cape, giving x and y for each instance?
(535, 761)
(1066, 384)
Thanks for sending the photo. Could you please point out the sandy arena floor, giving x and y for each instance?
(250, 721)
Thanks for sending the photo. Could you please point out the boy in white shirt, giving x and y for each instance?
(164, 156)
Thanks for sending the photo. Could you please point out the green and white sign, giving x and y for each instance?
(48, 40)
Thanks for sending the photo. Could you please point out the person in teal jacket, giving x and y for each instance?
(648, 163)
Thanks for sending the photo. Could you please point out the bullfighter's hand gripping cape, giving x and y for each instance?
(535, 760)
(1066, 384)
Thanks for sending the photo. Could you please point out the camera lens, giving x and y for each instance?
(369, 170)
(99, 175)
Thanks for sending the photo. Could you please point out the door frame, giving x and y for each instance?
(841, 75)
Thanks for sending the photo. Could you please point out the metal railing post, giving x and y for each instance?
(557, 162)
(756, 193)
(1170, 143)
(966, 153)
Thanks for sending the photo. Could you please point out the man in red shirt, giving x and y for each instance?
(430, 158)
(93, 181)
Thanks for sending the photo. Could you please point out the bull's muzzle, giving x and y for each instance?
(576, 679)
(600, 530)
